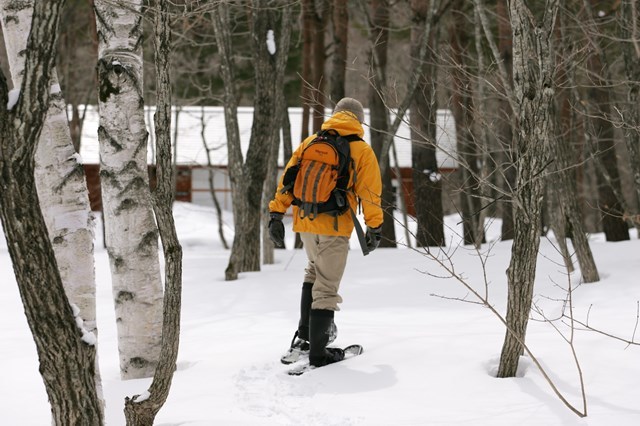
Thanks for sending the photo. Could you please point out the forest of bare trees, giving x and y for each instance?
(544, 96)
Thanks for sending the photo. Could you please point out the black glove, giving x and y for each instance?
(372, 238)
(276, 229)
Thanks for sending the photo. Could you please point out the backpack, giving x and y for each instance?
(319, 180)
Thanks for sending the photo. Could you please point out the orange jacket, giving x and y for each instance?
(368, 186)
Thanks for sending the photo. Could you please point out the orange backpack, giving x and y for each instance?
(319, 180)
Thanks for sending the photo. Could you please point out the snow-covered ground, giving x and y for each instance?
(429, 357)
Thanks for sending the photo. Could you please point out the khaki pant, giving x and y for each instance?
(327, 256)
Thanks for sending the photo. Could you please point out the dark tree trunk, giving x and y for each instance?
(210, 179)
(246, 195)
(143, 413)
(507, 156)
(66, 356)
(603, 148)
(427, 182)
(247, 179)
(321, 15)
(462, 109)
(287, 143)
(340, 23)
(378, 119)
(562, 190)
(631, 50)
(75, 127)
(307, 44)
(533, 94)
(277, 65)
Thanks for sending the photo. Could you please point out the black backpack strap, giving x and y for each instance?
(349, 138)
(352, 138)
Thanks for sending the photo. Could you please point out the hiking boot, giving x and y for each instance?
(306, 299)
(321, 326)
(333, 355)
(299, 348)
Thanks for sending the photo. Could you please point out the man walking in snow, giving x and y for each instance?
(326, 235)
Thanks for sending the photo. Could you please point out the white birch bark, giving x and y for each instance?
(59, 177)
(131, 231)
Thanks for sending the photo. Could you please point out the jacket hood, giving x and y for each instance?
(345, 123)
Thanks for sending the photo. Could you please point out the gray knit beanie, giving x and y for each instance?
(351, 105)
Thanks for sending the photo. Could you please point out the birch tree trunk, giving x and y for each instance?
(131, 232)
(59, 177)
(66, 350)
(142, 411)
(533, 77)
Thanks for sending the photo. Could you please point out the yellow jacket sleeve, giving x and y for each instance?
(368, 186)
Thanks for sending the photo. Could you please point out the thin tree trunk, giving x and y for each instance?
(66, 352)
(277, 65)
(211, 180)
(287, 144)
(379, 115)
(601, 137)
(174, 142)
(534, 92)
(307, 44)
(462, 109)
(563, 182)
(221, 24)
(132, 235)
(427, 181)
(320, 20)
(75, 127)
(507, 157)
(142, 411)
(287, 150)
(482, 139)
(401, 197)
(557, 220)
(340, 23)
(270, 183)
(602, 144)
(247, 179)
(630, 32)
(433, 16)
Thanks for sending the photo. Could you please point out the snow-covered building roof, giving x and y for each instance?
(191, 147)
